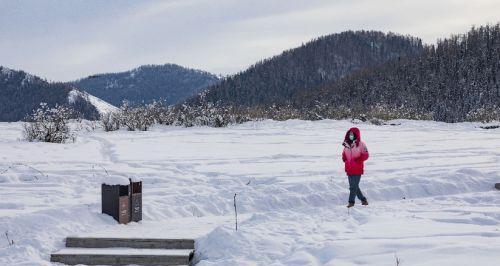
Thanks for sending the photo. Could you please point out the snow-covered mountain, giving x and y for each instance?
(21, 93)
(170, 82)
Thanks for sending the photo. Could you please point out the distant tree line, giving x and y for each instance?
(158, 112)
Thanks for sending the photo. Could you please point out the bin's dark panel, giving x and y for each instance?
(136, 213)
(124, 190)
(112, 202)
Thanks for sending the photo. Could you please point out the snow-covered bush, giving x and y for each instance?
(85, 125)
(208, 115)
(484, 114)
(141, 118)
(48, 124)
(157, 112)
(126, 116)
(160, 113)
(135, 118)
(110, 121)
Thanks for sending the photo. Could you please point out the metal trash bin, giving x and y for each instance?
(115, 201)
(136, 200)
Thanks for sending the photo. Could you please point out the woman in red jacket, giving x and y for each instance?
(354, 154)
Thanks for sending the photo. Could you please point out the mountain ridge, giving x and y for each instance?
(276, 79)
(143, 84)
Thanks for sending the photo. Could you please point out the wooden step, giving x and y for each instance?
(122, 256)
(150, 243)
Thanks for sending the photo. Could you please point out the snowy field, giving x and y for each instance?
(430, 187)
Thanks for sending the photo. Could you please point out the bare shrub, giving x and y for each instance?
(48, 124)
(126, 116)
(160, 113)
(141, 118)
(110, 121)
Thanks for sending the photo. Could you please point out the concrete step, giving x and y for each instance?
(122, 256)
(151, 243)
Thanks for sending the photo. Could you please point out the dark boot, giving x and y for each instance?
(350, 205)
(364, 202)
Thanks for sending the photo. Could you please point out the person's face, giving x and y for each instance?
(351, 136)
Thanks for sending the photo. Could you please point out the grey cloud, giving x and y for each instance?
(64, 40)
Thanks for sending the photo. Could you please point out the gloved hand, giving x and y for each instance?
(345, 144)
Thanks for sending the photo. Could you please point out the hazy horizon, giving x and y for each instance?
(67, 40)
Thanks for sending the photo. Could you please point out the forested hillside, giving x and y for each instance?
(369, 74)
(276, 80)
(144, 84)
(455, 80)
(21, 93)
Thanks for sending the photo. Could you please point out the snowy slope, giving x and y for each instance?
(430, 187)
(101, 106)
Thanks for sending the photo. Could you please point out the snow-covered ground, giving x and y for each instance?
(430, 187)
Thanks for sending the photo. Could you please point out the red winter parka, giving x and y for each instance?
(354, 153)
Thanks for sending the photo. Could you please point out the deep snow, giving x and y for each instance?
(430, 187)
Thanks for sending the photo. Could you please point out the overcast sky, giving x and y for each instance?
(68, 39)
